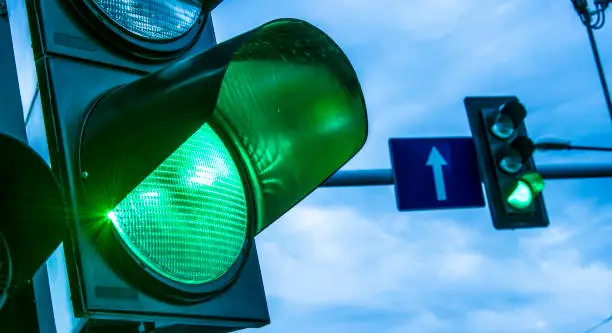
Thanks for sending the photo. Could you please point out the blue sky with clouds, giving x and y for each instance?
(345, 260)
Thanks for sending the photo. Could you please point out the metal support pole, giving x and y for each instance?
(375, 177)
(378, 177)
(600, 71)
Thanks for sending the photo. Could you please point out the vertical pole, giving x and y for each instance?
(600, 71)
(44, 305)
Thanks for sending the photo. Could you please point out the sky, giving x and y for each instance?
(345, 260)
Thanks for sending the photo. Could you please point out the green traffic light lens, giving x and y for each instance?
(521, 197)
(188, 219)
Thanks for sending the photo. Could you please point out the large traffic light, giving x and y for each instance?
(178, 151)
(504, 152)
(32, 212)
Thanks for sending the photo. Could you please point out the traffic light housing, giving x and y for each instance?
(505, 160)
(178, 151)
(33, 215)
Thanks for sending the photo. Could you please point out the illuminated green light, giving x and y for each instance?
(111, 216)
(521, 197)
(188, 219)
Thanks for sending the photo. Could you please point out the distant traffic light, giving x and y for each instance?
(32, 213)
(505, 159)
(178, 151)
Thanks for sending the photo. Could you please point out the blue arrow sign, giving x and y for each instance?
(435, 173)
(436, 161)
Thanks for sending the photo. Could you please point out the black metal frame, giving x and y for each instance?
(479, 110)
(72, 56)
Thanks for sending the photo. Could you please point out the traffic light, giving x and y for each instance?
(504, 151)
(177, 151)
(33, 216)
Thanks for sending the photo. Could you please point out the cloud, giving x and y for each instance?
(438, 271)
(318, 251)
(421, 20)
(344, 264)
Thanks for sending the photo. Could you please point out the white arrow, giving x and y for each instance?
(436, 161)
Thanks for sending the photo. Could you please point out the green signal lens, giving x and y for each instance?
(188, 219)
(521, 197)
